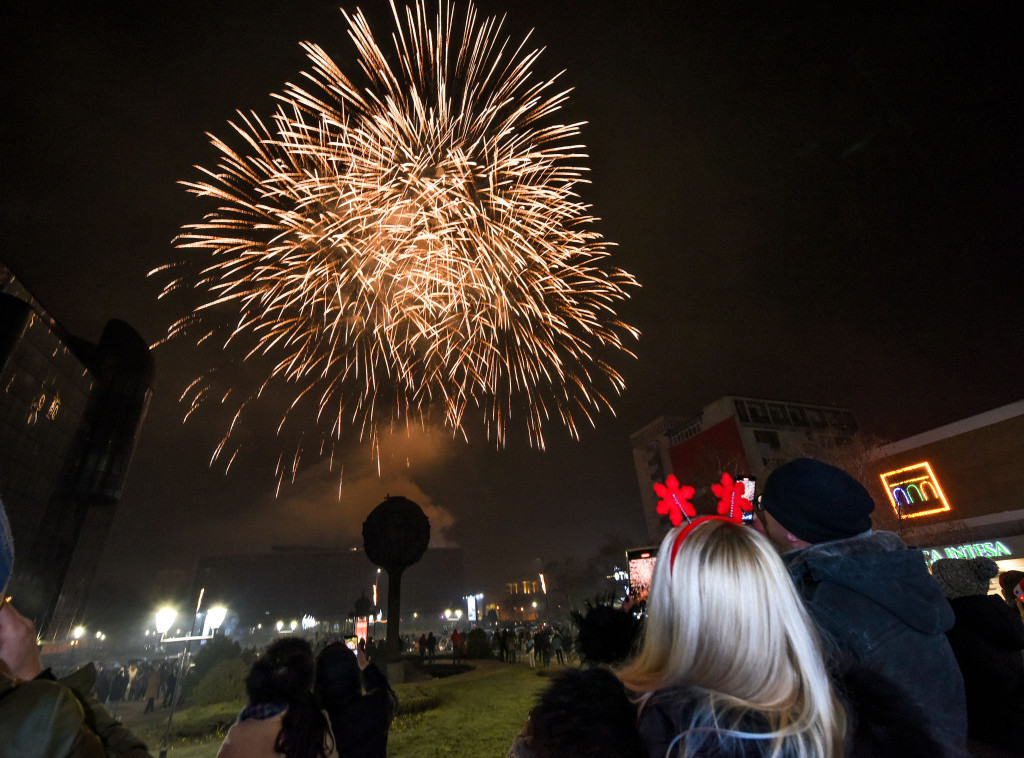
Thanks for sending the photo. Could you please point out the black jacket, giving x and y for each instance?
(361, 725)
(884, 619)
(667, 715)
(988, 638)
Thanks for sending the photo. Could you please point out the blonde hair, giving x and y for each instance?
(725, 620)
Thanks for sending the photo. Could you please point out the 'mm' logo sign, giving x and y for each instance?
(914, 491)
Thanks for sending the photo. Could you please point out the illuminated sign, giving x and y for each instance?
(914, 491)
(993, 550)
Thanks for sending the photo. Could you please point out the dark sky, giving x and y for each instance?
(822, 201)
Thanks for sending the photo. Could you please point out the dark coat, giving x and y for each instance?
(884, 619)
(361, 724)
(668, 714)
(988, 638)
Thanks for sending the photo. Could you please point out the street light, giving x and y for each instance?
(215, 617)
(164, 619)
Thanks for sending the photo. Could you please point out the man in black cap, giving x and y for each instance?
(883, 616)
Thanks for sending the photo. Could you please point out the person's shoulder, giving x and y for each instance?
(253, 730)
(43, 717)
(662, 715)
(45, 694)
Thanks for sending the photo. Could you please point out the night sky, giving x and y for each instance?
(822, 201)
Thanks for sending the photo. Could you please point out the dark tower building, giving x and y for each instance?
(70, 414)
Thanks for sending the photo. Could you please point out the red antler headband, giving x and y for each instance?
(675, 503)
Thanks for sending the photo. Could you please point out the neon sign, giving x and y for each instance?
(992, 550)
(914, 491)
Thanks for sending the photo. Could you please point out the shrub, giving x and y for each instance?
(218, 649)
(477, 645)
(418, 700)
(224, 683)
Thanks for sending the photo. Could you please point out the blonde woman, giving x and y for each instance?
(730, 663)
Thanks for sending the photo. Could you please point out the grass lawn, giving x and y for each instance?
(479, 714)
(476, 714)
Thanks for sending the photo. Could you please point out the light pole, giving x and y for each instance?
(376, 607)
(164, 618)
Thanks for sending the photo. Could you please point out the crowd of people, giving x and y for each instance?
(809, 635)
(538, 644)
(151, 681)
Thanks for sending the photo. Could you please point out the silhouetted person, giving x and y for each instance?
(360, 722)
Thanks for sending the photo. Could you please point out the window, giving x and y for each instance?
(816, 419)
(758, 414)
(741, 412)
(778, 415)
(798, 416)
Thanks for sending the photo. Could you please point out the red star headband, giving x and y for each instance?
(675, 503)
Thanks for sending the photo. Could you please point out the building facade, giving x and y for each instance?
(70, 414)
(739, 435)
(958, 491)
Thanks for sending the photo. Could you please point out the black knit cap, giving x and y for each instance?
(816, 502)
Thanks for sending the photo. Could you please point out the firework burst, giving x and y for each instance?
(410, 246)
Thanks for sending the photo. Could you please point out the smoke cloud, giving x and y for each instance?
(326, 508)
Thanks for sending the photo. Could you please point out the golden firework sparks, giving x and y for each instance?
(410, 245)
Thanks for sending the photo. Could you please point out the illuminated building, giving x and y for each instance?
(739, 435)
(955, 491)
(70, 414)
(522, 601)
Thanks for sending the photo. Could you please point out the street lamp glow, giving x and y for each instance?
(165, 618)
(77, 632)
(215, 616)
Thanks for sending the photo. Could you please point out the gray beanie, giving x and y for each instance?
(6, 549)
(960, 577)
(816, 502)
